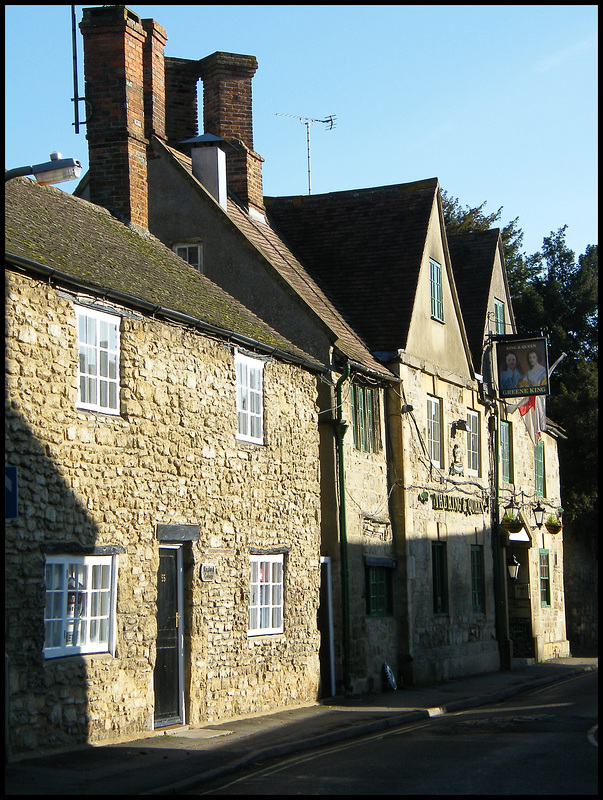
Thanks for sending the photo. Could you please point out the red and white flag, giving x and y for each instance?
(533, 409)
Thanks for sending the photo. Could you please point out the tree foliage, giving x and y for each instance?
(553, 292)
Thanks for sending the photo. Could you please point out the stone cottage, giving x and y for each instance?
(163, 563)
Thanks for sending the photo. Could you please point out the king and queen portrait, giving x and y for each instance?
(522, 367)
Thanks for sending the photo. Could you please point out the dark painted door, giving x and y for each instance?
(166, 676)
(325, 628)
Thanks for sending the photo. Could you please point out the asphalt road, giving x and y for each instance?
(540, 742)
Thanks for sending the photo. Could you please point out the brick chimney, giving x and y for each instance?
(227, 113)
(125, 95)
(134, 93)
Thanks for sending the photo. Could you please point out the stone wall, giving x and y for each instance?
(170, 456)
(435, 506)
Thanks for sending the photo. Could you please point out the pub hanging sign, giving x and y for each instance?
(522, 366)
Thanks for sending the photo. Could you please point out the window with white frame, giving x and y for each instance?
(191, 253)
(79, 616)
(250, 402)
(98, 364)
(434, 431)
(473, 442)
(266, 595)
(435, 286)
(506, 452)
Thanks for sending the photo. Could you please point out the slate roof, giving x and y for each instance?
(365, 248)
(472, 256)
(278, 255)
(47, 226)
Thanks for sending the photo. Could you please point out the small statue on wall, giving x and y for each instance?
(456, 467)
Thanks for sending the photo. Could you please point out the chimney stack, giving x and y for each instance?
(227, 114)
(116, 49)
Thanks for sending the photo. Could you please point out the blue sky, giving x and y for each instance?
(498, 102)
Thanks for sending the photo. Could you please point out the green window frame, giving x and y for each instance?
(379, 601)
(435, 288)
(506, 461)
(499, 316)
(365, 416)
(545, 578)
(478, 594)
(539, 476)
(440, 578)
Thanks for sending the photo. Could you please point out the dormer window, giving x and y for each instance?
(191, 253)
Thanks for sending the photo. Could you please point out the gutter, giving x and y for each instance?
(167, 313)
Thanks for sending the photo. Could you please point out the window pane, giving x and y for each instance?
(90, 330)
(103, 340)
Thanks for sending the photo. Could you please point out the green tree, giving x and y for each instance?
(464, 219)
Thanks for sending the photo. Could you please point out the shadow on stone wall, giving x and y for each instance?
(47, 701)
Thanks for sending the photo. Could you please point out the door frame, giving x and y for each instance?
(180, 610)
(325, 561)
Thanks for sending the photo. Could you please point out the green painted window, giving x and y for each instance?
(435, 285)
(379, 591)
(499, 316)
(539, 469)
(506, 463)
(440, 578)
(477, 578)
(545, 578)
(365, 416)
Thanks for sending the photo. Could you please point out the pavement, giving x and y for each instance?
(184, 758)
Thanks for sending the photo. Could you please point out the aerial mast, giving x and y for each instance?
(308, 122)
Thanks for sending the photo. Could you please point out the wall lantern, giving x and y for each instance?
(57, 170)
(459, 425)
(539, 514)
(512, 509)
(513, 567)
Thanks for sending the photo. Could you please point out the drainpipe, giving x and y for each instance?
(340, 429)
(500, 596)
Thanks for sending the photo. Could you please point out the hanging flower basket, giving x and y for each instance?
(552, 527)
(511, 524)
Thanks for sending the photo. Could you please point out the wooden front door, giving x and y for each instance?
(168, 673)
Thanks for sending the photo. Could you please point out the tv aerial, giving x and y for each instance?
(308, 122)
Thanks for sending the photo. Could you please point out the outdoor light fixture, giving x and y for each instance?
(57, 170)
(513, 567)
(539, 514)
(512, 508)
(459, 425)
